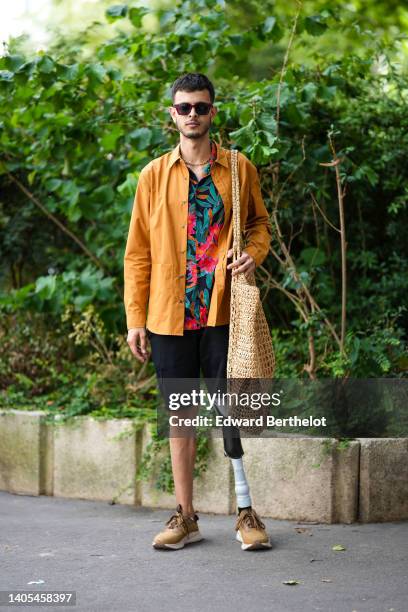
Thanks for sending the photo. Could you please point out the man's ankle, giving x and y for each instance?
(189, 512)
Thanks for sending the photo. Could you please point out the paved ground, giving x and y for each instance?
(104, 553)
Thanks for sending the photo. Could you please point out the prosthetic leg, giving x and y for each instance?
(233, 449)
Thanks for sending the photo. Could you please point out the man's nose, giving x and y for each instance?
(193, 113)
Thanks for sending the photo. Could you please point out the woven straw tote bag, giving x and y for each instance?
(250, 351)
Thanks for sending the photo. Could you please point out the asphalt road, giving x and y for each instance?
(103, 552)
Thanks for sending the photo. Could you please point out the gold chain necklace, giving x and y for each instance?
(200, 164)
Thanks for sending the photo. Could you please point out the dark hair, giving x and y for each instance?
(193, 81)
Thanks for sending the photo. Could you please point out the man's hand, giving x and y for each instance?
(136, 339)
(245, 263)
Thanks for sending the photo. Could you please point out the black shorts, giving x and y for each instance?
(197, 352)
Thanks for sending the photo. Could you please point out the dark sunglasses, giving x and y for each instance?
(201, 108)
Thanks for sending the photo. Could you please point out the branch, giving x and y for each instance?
(285, 62)
(62, 227)
(290, 263)
(321, 212)
(340, 196)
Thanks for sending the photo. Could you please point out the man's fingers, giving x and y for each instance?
(136, 352)
(131, 340)
(247, 265)
(139, 356)
(242, 269)
(141, 351)
(143, 344)
(137, 343)
(238, 262)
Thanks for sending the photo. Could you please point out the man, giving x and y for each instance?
(175, 268)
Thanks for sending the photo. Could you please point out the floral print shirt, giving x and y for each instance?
(205, 220)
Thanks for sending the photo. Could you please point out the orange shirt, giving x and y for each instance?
(155, 253)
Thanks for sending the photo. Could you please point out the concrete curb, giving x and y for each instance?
(299, 478)
(303, 479)
(383, 479)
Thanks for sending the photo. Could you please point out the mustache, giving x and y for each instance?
(180, 127)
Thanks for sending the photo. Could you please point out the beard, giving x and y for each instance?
(193, 132)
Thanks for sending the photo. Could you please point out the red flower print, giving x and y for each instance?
(191, 276)
(191, 224)
(203, 315)
(208, 263)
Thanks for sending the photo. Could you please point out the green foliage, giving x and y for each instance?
(72, 366)
(76, 132)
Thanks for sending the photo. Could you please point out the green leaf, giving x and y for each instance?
(268, 122)
(268, 25)
(271, 139)
(81, 301)
(46, 65)
(6, 75)
(245, 115)
(236, 39)
(141, 138)
(260, 153)
(338, 547)
(309, 91)
(110, 137)
(365, 171)
(244, 136)
(294, 114)
(96, 72)
(136, 15)
(13, 62)
(315, 25)
(31, 177)
(118, 11)
(269, 30)
(103, 194)
(53, 184)
(68, 73)
(128, 187)
(45, 286)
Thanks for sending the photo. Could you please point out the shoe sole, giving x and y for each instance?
(254, 545)
(188, 539)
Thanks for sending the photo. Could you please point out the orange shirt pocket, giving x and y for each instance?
(161, 290)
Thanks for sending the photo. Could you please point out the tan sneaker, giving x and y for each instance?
(180, 530)
(251, 531)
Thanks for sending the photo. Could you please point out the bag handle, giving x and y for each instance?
(236, 245)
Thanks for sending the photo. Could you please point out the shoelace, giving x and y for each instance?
(178, 519)
(175, 520)
(251, 519)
